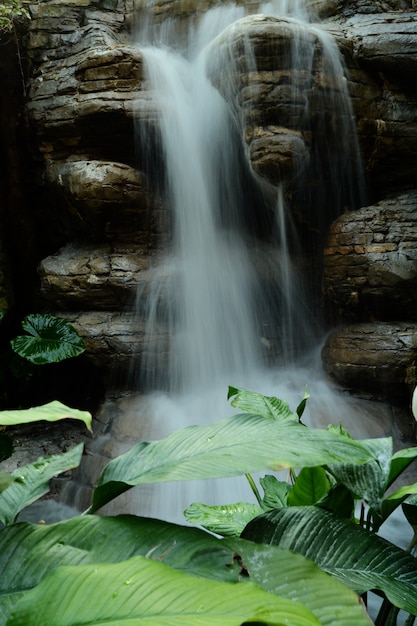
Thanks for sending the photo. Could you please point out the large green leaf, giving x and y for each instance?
(32, 481)
(28, 553)
(50, 339)
(356, 557)
(51, 412)
(142, 591)
(231, 447)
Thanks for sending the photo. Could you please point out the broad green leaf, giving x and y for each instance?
(368, 481)
(257, 404)
(395, 499)
(50, 339)
(142, 591)
(231, 447)
(414, 403)
(275, 492)
(5, 481)
(32, 482)
(51, 412)
(399, 462)
(311, 485)
(28, 553)
(228, 520)
(358, 558)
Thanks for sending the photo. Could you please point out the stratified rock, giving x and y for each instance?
(119, 344)
(102, 278)
(381, 54)
(107, 200)
(377, 358)
(370, 261)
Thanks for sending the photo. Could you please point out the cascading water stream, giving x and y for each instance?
(226, 297)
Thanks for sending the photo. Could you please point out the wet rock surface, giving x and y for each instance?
(370, 261)
(377, 357)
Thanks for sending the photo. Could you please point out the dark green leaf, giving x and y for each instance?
(399, 462)
(301, 407)
(409, 507)
(395, 499)
(50, 339)
(358, 558)
(339, 500)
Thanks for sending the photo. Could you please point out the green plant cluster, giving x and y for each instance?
(10, 10)
(299, 557)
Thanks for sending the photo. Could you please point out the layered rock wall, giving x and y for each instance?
(93, 208)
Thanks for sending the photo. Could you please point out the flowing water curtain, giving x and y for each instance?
(206, 272)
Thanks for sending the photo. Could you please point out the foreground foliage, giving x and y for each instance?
(302, 557)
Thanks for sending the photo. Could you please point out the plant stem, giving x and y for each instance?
(254, 488)
(387, 615)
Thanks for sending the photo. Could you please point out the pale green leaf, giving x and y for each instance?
(146, 592)
(275, 492)
(228, 520)
(51, 412)
(28, 553)
(32, 481)
(231, 447)
(6, 480)
(257, 404)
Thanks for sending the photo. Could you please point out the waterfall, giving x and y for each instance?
(227, 286)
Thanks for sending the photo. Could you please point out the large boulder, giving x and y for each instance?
(378, 358)
(370, 261)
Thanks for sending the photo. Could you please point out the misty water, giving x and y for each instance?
(236, 304)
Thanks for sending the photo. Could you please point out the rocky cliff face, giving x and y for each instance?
(93, 218)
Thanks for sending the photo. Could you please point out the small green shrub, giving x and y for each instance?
(301, 543)
(10, 10)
